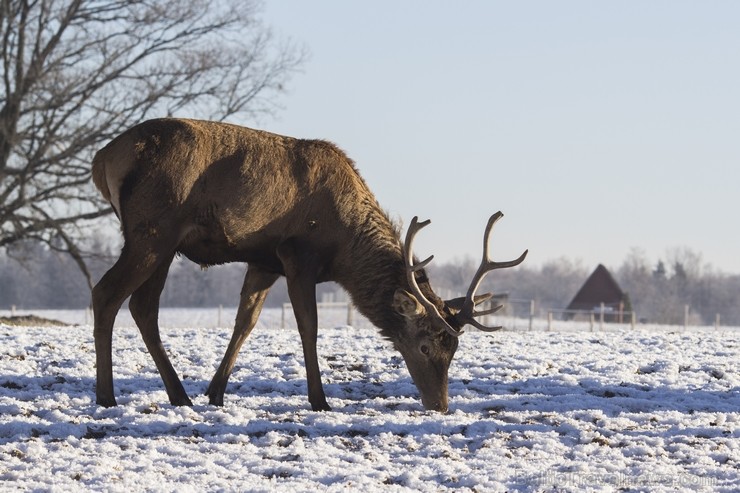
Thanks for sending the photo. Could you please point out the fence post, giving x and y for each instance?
(633, 320)
(593, 320)
(531, 313)
(716, 321)
(685, 317)
(350, 320)
(601, 317)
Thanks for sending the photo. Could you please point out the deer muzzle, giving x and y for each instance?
(439, 405)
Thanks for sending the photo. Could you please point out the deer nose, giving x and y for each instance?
(437, 405)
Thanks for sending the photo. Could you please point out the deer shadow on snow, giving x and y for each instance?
(536, 404)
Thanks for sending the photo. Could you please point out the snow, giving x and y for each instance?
(650, 409)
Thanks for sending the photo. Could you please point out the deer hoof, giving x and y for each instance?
(322, 406)
(216, 400)
(215, 396)
(181, 401)
(106, 401)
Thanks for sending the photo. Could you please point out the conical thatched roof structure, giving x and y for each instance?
(600, 288)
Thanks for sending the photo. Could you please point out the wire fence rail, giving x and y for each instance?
(519, 315)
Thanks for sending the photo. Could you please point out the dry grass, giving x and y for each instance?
(31, 321)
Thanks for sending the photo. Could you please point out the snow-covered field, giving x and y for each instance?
(569, 410)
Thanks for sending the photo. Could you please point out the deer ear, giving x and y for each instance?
(406, 304)
(456, 304)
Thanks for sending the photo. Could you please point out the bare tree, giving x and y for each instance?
(75, 73)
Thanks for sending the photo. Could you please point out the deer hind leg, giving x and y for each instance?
(144, 307)
(300, 272)
(132, 269)
(257, 283)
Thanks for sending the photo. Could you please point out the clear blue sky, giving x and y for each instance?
(595, 127)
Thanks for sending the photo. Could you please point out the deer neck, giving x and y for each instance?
(372, 275)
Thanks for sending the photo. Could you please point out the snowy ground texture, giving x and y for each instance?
(568, 410)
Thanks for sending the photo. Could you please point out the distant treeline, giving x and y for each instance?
(37, 277)
(658, 292)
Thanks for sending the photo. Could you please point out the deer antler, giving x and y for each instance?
(468, 313)
(431, 309)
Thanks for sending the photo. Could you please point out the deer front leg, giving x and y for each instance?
(300, 272)
(256, 285)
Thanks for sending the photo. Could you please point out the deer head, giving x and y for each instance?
(433, 326)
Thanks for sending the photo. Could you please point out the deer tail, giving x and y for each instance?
(98, 174)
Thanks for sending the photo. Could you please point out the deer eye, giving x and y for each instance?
(424, 349)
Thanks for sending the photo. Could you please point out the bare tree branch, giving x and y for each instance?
(75, 73)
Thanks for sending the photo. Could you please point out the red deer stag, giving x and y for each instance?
(220, 193)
